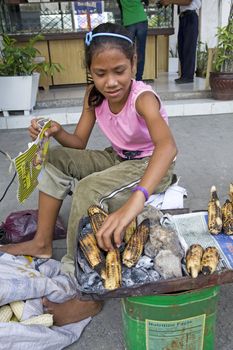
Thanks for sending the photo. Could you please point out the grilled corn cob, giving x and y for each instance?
(214, 213)
(113, 270)
(131, 228)
(227, 217)
(17, 308)
(209, 261)
(5, 313)
(43, 320)
(193, 259)
(97, 217)
(134, 247)
(92, 253)
(227, 213)
(231, 193)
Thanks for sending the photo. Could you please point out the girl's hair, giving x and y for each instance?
(99, 43)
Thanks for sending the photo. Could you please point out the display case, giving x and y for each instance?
(64, 24)
(43, 16)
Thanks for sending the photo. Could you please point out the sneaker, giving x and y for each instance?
(183, 80)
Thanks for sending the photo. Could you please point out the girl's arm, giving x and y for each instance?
(82, 131)
(160, 161)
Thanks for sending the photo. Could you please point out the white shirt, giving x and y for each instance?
(195, 5)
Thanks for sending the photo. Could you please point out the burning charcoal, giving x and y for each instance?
(139, 276)
(145, 262)
(94, 278)
(153, 275)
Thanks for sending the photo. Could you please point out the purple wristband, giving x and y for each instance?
(143, 190)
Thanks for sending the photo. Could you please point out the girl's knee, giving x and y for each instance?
(58, 157)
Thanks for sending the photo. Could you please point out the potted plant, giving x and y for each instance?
(173, 61)
(20, 69)
(221, 77)
(202, 59)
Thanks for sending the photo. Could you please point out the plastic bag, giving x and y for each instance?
(21, 226)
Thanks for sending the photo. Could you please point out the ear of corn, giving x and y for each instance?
(113, 270)
(227, 217)
(214, 213)
(193, 259)
(131, 228)
(5, 313)
(14, 319)
(43, 320)
(97, 217)
(134, 247)
(209, 260)
(92, 253)
(17, 308)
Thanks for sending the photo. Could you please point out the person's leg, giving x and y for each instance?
(190, 45)
(141, 36)
(180, 41)
(71, 311)
(187, 43)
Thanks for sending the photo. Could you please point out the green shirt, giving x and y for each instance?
(132, 12)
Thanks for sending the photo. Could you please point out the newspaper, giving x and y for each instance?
(192, 228)
(29, 164)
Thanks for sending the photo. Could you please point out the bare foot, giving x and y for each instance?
(71, 311)
(33, 248)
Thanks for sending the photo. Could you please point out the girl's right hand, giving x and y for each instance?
(35, 128)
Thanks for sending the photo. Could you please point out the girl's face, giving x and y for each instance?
(112, 72)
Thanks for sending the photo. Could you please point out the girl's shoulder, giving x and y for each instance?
(139, 87)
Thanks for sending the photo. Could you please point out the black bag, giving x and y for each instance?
(21, 226)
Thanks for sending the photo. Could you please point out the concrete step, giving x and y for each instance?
(164, 95)
(71, 115)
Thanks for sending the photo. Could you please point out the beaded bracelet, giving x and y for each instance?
(143, 190)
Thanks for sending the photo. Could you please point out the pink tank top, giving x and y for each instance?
(127, 130)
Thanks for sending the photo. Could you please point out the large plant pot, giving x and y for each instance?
(19, 92)
(221, 85)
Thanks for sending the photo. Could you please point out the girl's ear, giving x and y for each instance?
(134, 65)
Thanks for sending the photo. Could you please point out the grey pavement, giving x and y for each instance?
(205, 159)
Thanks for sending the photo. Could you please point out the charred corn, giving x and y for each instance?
(17, 308)
(97, 217)
(131, 228)
(231, 193)
(113, 270)
(227, 217)
(5, 313)
(209, 261)
(43, 320)
(134, 247)
(227, 213)
(214, 213)
(193, 259)
(92, 253)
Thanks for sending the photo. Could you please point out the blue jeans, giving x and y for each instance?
(138, 32)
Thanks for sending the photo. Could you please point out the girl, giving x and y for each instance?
(119, 178)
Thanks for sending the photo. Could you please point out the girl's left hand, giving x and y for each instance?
(112, 231)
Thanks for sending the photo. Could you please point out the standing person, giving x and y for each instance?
(187, 37)
(134, 18)
(139, 162)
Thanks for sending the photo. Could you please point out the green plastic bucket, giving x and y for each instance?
(181, 321)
